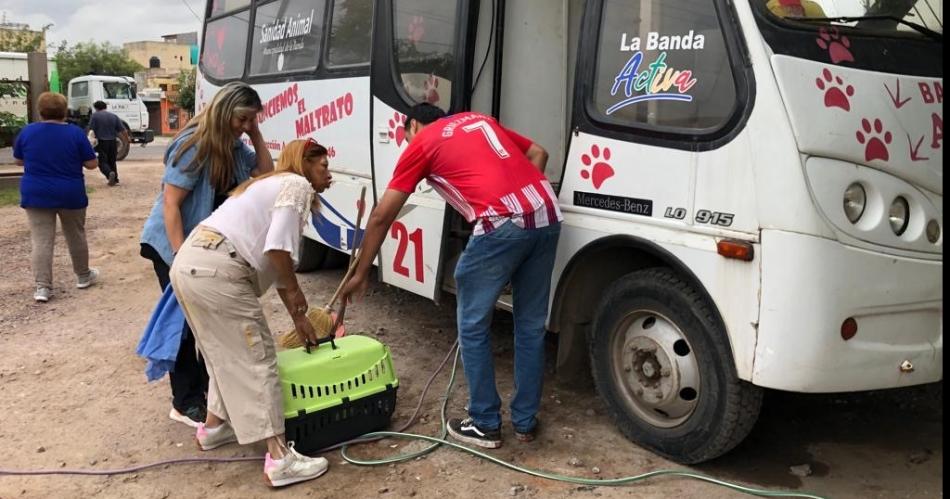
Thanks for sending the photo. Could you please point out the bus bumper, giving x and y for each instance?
(143, 137)
(810, 286)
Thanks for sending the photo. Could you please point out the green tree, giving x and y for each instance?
(102, 59)
(23, 40)
(351, 31)
(186, 90)
(11, 123)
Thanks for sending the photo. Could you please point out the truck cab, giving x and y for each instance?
(121, 96)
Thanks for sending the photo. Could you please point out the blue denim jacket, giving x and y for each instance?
(197, 206)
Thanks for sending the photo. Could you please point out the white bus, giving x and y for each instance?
(752, 189)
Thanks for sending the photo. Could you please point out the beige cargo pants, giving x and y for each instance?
(218, 293)
(43, 237)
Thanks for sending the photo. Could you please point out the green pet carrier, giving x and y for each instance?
(339, 390)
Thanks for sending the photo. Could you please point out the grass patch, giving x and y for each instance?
(9, 196)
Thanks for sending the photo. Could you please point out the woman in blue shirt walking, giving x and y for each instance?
(202, 164)
(53, 154)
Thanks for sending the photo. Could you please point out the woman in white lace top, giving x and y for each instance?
(219, 274)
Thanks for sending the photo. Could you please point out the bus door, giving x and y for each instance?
(420, 54)
(657, 98)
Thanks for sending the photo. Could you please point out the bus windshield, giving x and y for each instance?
(117, 90)
(904, 16)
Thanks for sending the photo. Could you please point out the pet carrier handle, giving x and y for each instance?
(328, 339)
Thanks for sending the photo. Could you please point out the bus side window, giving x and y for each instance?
(224, 47)
(425, 34)
(664, 65)
(219, 7)
(287, 36)
(350, 33)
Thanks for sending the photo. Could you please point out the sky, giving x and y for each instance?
(114, 21)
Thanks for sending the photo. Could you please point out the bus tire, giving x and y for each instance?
(311, 255)
(662, 363)
(122, 149)
(336, 259)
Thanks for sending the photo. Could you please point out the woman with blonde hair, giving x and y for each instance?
(53, 154)
(219, 274)
(203, 162)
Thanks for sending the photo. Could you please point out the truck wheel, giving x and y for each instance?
(311, 256)
(122, 149)
(663, 365)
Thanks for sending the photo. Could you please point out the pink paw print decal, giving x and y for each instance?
(836, 93)
(836, 44)
(417, 29)
(431, 89)
(397, 129)
(875, 140)
(599, 170)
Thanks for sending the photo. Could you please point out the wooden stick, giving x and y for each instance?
(354, 257)
(359, 220)
(346, 278)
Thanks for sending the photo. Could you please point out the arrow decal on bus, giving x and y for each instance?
(330, 232)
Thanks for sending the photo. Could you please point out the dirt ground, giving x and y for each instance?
(73, 395)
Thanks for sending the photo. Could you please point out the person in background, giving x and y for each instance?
(494, 178)
(53, 154)
(203, 162)
(219, 275)
(107, 128)
(795, 8)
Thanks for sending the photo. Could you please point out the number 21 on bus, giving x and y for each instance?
(403, 238)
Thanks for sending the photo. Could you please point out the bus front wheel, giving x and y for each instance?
(122, 148)
(662, 363)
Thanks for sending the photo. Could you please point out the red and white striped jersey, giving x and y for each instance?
(479, 167)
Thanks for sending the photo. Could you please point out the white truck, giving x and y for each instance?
(121, 96)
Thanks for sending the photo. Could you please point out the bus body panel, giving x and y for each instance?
(411, 253)
(731, 284)
(334, 112)
(810, 285)
(827, 181)
(889, 122)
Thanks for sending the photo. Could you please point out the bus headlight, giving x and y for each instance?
(898, 215)
(855, 199)
(933, 231)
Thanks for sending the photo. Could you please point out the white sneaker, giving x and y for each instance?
(212, 438)
(175, 415)
(293, 468)
(41, 294)
(89, 280)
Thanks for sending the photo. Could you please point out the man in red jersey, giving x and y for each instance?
(494, 178)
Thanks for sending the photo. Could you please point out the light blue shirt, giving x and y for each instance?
(198, 205)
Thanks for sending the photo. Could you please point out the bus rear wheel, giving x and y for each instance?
(314, 255)
(662, 363)
(311, 255)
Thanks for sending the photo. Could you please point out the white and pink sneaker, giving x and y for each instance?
(212, 438)
(293, 468)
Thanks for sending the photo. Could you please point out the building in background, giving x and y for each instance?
(158, 83)
(16, 40)
(11, 32)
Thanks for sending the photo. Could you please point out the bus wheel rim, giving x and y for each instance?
(655, 369)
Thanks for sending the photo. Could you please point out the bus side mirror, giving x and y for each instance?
(135, 91)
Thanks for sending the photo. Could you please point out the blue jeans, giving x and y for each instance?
(526, 259)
